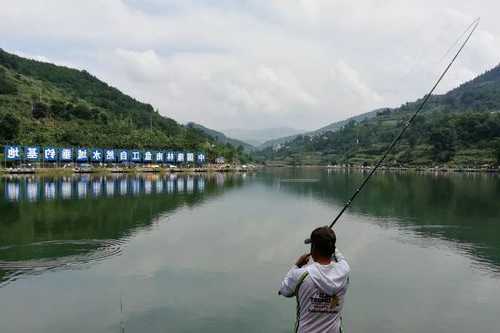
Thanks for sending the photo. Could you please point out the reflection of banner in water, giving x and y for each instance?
(33, 189)
(96, 188)
(189, 184)
(170, 186)
(123, 187)
(13, 191)
(66, 189)
(159, 186)
(180, 185)
(147, 186)
(82, 189)
(110, 188)
(219, 180)
(50, 191)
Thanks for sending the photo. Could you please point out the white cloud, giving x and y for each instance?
(36, 57)
(144, 66)
(352, 81)
(258, 63)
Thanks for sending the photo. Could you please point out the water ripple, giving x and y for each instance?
(92, 251)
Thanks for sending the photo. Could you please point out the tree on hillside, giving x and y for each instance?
(442, 140)
(57, 109)
(229, 153)
(40, 110)
(82, 111)
(406, 156)
(497, 152)
(7, 87)
(9, 127)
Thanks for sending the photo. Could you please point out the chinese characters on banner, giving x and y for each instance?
(32, 154)
(82, 155)
(159, 157)
(12, 153)
(148, 156)
(180, 157)
(66, 154)
(170, 157)
(109, 156)
(98, 155)
(50, 154)
(123, 156)
(135, 156)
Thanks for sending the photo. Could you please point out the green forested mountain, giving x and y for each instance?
(46, 104)
(461, 127)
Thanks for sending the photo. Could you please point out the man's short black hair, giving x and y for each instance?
(323, 241)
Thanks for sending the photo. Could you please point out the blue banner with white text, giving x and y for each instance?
(101, 155)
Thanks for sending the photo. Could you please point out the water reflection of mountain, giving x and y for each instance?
(460, 208)
(51, 222)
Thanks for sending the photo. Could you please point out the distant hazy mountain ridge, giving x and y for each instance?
(257, 137)
(221, 137)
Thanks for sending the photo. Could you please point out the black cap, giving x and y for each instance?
(323, 239)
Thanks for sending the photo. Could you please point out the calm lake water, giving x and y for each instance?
(207, 253)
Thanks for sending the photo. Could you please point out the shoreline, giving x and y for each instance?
(107, 171)
(59, 171)
(420, 169)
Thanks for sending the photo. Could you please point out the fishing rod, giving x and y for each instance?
(474, 25)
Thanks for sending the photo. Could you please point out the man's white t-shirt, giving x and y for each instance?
(320, 291)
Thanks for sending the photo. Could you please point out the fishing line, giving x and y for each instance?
(122, 320)
(474, 26)
(476, 21)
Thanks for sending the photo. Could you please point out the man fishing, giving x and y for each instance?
(319, 285)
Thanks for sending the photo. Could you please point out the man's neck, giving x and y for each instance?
(323, 261)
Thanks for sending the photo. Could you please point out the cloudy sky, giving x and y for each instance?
(257, 63)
